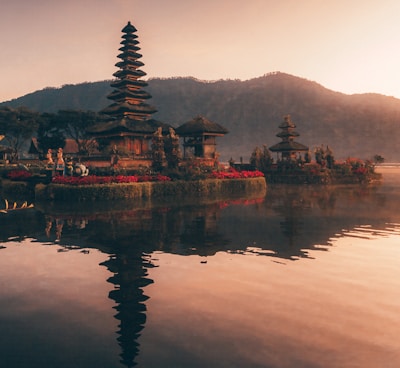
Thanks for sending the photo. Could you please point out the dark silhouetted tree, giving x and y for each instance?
(50, 134)
(17, 125)
(75, 124)
(172, 151)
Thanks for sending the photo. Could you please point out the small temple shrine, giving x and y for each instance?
(128, 125)
(199, 138)
(288, 149)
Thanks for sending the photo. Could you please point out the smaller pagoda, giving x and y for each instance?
(288, 148)
(199, 135)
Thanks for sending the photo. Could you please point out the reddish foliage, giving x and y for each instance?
(19, 175)
(234, 174)
(93, 179)
(360, 171)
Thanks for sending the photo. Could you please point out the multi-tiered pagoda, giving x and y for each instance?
(129, 125)
(288, 148)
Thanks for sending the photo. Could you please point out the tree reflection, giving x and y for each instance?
(21, 224)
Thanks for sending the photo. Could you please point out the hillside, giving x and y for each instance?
(352, 125)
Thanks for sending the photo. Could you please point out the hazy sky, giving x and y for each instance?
(350, 46)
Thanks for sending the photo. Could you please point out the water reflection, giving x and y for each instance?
(286, 225)
(129, 279)
(18, 225)
(131, 237)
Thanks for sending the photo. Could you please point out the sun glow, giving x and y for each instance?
(347, 47)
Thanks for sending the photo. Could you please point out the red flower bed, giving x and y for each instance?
(19, 175)
(93, 179)
(234, 174)
(360, 171)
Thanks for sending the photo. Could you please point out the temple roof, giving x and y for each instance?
(120, 83)
(127, 107)
(129, 53)
(286, 134)
(129, 28)
(128, 125)
(129, 45)
(287, 123)
(129, 72)
(123, 93)
(288, 146)
(70, 147)
(130, 62)
(129, 114)
(200, 125)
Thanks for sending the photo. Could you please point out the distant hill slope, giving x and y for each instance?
(83, 96)
(352, 125)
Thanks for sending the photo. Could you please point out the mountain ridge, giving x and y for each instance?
(360, 125)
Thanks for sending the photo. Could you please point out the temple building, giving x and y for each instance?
(199, 138)
(128, 125)
(288, 148)
(4, 151)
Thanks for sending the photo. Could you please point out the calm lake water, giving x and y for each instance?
(303, 277)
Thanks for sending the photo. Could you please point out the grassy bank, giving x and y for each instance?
(17, 190)
(175, 189)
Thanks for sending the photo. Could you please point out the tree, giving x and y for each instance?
(75, 124)
(261, 159)
(256, 157)
(158, 153)
(172, 151)
(378, 159)
(50, 134)
(17, 125)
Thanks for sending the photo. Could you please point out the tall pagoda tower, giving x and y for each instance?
(288, 148)
(129, 124)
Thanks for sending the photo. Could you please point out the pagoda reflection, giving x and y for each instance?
(130, 237)
(286, 224)
(129, 279)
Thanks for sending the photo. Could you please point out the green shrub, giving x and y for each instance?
(13, 189)
(179, 188)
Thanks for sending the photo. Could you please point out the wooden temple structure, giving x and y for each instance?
(288, 148)
(128, 125)
(4, 151)
(199, 138)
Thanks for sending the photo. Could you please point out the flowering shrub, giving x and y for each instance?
(354, 162)
(19, 175)
(360, 171)
(234, 174)
(157, 177)
(312, 169)
(93, 179)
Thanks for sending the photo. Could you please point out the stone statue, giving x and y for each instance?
(49, 157)
(158, 132)
(60, 162)
(60, 159)
(172, 133)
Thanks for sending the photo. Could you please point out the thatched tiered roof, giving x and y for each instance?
(126, 125)
(288, 145)
(200, 125)
(129, 114)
